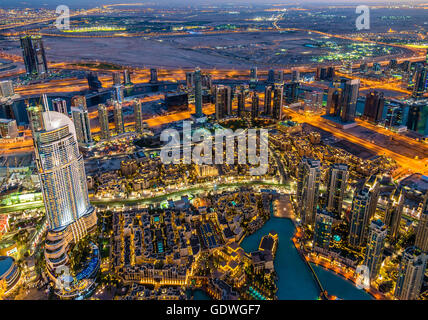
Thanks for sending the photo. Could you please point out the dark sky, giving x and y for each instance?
(94, 3)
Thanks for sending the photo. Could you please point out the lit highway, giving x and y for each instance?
(405, 163)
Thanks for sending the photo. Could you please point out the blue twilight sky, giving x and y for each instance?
(94, 3)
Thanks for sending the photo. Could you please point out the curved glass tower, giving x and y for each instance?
(61, 170)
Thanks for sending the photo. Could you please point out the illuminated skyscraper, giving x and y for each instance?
(422, 232)
(267, 107)
(117, 80)
(291, 92)
(61, 169)
(190, 79)
(360, 217)
(410, 274)
(253, 78)
(6, 89)
(138, 116)
(103, 118)
(421, 82)
(308, 182)
(281, 78)
(241, 101)
(118, 118)
(63, 180)
(254, 105)
(393, 213)
(198, 93)
(60, 105)
(373, 108)
(337, 182)
(375, 245)
(295, 77)
(34, 56)
(334, 97)
(278, 92)
(153, 75)
(223, 101)
(118, 94)
(79, 101)
(322, 230)
(349, 100)
(8, 128)
(271, 76)
(94, 83)
(126, 77)
(82, 124)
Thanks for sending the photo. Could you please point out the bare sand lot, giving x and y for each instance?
(239, 50)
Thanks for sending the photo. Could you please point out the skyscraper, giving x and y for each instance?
(118, 93)
(410, 274)
(308, 182)
(267, 107)
(126, 77)
(373, 186)
(373, 108)
(118, 118)
(241, 101)
(138, 116)
(63, 180)
(281, 77)
(421, 82)
(295, 77)
(360, 217)
(291, 92)
(254, 105)
(271, 76)
(60, 105)
(94, 83)
(198, 93)
(79, 101)
(117, 80)
(223, 101)
(253, 78)
(82, 124)
(334, 97)
(374, 249)
(153, 75)
(422, 232)
(6, 89)
(34, 56)
(206, 81)
(103, 118)
(393, 213)
(278, 91)
(349, 100)
(8, 128)
(336, 187)
(322, 230)
(190, 79)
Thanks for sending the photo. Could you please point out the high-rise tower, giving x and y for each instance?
(308, 183)
(337, 182)
(82, 124)
(349, 100)
(103, 118)
(34, 55)
(118, 118)
(138, 116)
(410, 274)
(62, 176)
(375, 245)
(198, 93)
